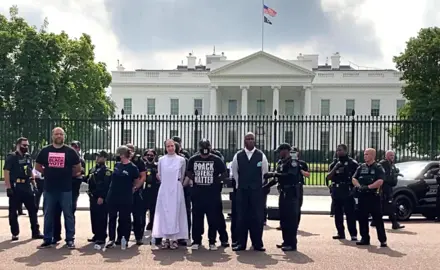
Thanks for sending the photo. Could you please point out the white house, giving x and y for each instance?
(257, 85)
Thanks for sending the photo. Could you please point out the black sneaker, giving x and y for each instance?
(225, 244)
(338, 237)
(56, 240)
(139, 242)
(14, 238)
(70, 245)
(37, 236)
(383, 244)
(110, 244)
(45, 244)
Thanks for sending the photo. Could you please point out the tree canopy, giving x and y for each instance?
(420, 65)
(49, 79)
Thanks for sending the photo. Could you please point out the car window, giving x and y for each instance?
(432, 167)
(410, 170)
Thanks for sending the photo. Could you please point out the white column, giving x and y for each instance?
(307, 100)
(213, 100)
(276, 98)
(244, 99)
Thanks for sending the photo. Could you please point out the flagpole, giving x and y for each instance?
(262, 26)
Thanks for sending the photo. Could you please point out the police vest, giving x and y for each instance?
(292, 168)
(367, 175)
(342, 176)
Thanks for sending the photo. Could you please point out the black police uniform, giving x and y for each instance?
(369, 202)
(288, 177)
(303, 166)
(139, 211)
(388, 205)
(20, 173)
(343, 201)
(99, 179)
(151, 191)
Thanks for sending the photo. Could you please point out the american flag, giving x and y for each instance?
(269, 11)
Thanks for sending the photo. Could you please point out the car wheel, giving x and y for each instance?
(405, 207)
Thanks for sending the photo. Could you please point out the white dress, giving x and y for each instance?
(170, 219)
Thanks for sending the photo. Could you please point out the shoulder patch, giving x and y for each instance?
(108, 173)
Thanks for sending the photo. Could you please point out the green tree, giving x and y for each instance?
(49, 79)
(418, 131)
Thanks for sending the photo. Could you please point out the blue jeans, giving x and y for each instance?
(64, 199)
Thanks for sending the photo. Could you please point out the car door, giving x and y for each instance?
(430, 180)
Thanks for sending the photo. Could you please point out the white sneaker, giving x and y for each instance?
(154, 247)
(195, 246)
(213, 247)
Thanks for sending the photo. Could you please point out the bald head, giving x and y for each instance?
(58, 136)
(369, 155)
(390, 155)
(249, 141)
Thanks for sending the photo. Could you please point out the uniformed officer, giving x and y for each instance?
(340, 175)
(368, 179)
(98, 180)
(151, 189)
(390, 181)
(288, 177)
(19, 184)
(139, 218)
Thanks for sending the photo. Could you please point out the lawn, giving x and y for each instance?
(317, 175)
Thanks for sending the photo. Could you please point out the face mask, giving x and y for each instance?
(23, 150)
(294, 155)
(150, 159)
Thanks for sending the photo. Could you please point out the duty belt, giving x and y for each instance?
(283, 187)
(334, 184)
(20, 181)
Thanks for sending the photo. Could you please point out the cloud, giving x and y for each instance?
(160, 33)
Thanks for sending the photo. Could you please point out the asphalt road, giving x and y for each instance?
(415, 247)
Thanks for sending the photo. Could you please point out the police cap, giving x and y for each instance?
(284, 146)
(102, 153)
(76, 144)
(177, 139)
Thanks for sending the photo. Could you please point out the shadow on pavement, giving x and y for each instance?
(8, 244)
(44, 256)
(256, 258)
(297, 258)
(400, 231)
(383, 251)
(112, 255)
(208, 258)
(306, 234)
(168, 257)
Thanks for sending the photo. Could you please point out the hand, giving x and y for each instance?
(157, 176)
(269, 175)
(9, 192)
(100, 201)
(364, 188)
(338, 165)
(134, 189)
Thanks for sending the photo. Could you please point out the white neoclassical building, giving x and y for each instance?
(257, 85)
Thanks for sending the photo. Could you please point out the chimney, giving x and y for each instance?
(336, 61)
(120, 68)
(300, 57)
(191, 61)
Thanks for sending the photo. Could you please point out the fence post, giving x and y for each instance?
(275, 136)
(196, 128)
(353, 122)
(122, 127)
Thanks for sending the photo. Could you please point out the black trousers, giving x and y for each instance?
(250, 216)
(187, 192)
(139, 212)
(99, 219)
(122, 214)
(39, 193)
(370, 204)
(300, 200)
(15, 202)
(389, 207)
(150, 198)
(221, 223)
(344, 204)
(233, 197)
(76, 187)
(288, 203)
(205, 201)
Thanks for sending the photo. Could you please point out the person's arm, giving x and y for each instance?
(142, 172)
(234, 169)
(40, 161)
(76, 161)
(103, 186)
(182, 169)
(332, 170)
(305, 169)
(264, 167)
(137, 184)
(356, 176)
(7, 168)
(379, 175)
(190, 168)
(158, 169)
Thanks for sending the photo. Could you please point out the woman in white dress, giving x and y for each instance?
(170, 220)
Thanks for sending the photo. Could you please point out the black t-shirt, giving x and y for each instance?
(206, 171)
(121, 186)
(305, 168)
(58, 166)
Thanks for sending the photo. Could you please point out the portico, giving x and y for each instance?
(261, 83)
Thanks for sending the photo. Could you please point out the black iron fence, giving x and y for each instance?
(316, 136)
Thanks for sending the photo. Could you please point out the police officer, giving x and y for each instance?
(288, 177)
(98, 180)
(390, 181)
(340, 175)
(368, 179)
(182, 151)
(151, 189)
(139, 214)
(19, 183)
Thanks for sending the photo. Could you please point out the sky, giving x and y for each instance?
(159, 34)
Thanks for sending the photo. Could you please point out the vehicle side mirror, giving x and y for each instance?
(428, 175)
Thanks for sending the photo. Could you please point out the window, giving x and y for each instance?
(127, 106)
(198, 106)
(399, 105)
(261, 107)
(151, 138)
(173, 133)
(232, 139)
(349, 107)
(127, 136)
(151, 106)
(288, 137)
(375, 107)
(290, 107)
(232, 107)
(174, 106)
(348, 139)
(325, 107)
(325, 140)
(374, 140)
